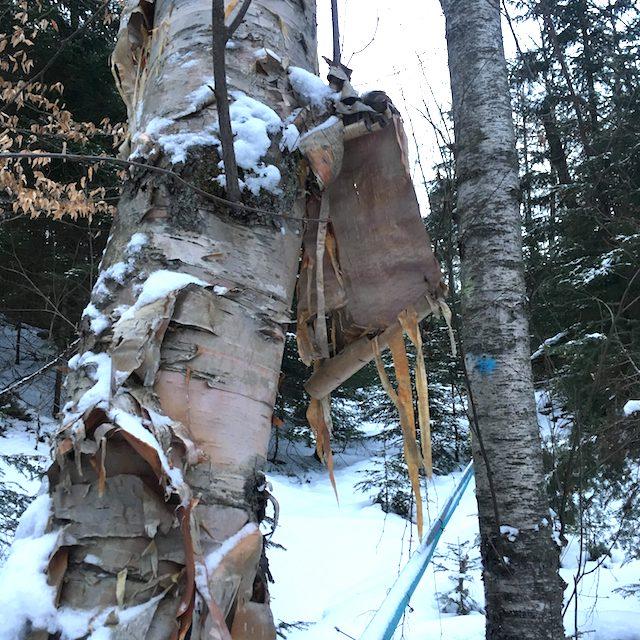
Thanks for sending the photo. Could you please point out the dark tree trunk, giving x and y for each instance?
(18, 339)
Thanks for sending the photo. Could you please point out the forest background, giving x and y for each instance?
(575, 84)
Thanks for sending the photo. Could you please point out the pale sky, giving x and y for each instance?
(406, 56)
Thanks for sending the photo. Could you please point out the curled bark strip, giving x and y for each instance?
(382, 374)
(404, 404)
(128, 61)
(276, 513)
(446, 314)
(57, 568)
(332, 250)
(323, 148)
(409, 321)
(321, 321)
(319, 418)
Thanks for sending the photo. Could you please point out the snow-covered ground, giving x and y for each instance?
(334, 563)
(24, 422)
(340, 561)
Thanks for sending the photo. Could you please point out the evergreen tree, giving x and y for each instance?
(576, 98)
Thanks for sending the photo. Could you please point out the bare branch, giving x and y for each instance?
(75, 157)
(235, 23)
(222, 100)
(85, 159)
(14, 386)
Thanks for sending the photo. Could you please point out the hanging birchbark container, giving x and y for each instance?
(368, 274)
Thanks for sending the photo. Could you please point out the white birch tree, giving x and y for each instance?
(520, 560)
(149, 528)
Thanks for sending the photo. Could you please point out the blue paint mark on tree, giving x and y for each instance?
(485, 364)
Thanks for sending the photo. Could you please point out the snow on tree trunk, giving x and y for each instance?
(522, 586)
(156, 492)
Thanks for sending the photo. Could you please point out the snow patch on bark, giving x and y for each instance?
(264, 52)
(310, 88)
(138, 240)
(253, 123)
(200, 97)
(98, 321)
(117, 273)
(511, 533)
(266, 177)
(160, 284)
(176, 145)
(100, 373)
(290, 138)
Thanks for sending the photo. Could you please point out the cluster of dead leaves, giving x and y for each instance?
(34, 120)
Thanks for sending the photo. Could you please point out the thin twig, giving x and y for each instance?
(14, 386)
(235, 23)
(366, 46)
(346, 635)
(222, 100)
(75, 157)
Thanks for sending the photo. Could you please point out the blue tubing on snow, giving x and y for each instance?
(385, 621)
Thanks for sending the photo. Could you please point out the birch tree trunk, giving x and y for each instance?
(520, 560)
(157, 489)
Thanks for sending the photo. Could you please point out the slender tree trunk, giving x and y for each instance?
(157, 489)
(520, 560)
(18, 341)
(589, 66)
(57, 392)
(557, 155)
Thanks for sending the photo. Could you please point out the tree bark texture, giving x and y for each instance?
(520, 560)
(157, 490)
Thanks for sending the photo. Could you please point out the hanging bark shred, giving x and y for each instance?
(319, 419)
(409, 321)
(321, 239)
(407, 422)
(367, 269)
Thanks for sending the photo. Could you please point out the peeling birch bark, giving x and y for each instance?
(333, 372)
(522, 586)
(157, 488)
